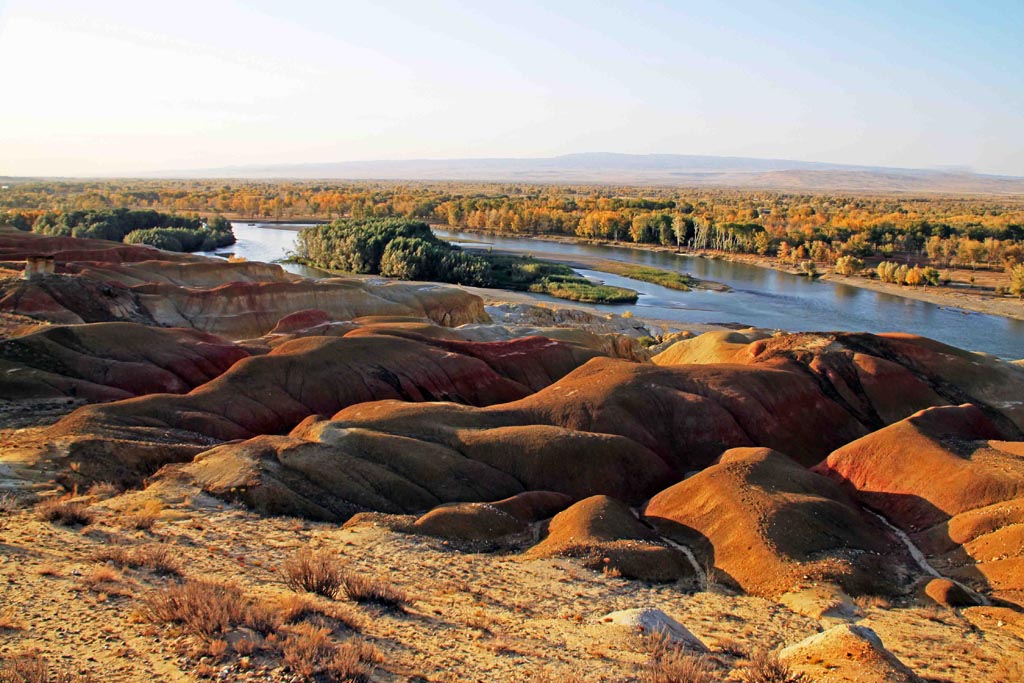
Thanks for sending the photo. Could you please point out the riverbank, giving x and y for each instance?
(977, 300)
(949, 297)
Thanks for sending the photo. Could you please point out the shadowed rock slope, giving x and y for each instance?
(947, 478)
(270, 394)
(606, 535)
(879, 378)
(768, 525)
(110, 361)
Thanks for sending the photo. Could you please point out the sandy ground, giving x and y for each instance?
(474, 617)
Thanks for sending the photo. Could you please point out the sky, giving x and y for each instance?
(120, 87)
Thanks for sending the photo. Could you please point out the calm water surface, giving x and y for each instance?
(760, 296)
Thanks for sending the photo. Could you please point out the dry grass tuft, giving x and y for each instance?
(765, 667)
(293, 608)
(866, 602)
(9, 503)
(204, 608)
(314, 571)
(64, 511)
(31, 668)
(310, 652)
(103, 490)
(157, 558)
(732, 647)
(143, 519)
(678, 667)
(307, 649)
(102, 578)
(368, 590)
(353, 661)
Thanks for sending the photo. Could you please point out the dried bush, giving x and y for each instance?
(264, 618)
(204, 608)
(101, 578)
(765, 667)
(156, 557)
(143, 519)
(310, 652)
(9, 503)
(314, 571)
(64, 511)
(368, 590)
(307, 649)
(352, 662)
(103, 490)
(294, 607)
(678, 667)
(31, 668)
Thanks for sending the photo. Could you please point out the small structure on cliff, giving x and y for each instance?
(38, 266)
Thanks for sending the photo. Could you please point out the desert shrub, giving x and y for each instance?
(103, 490)
(143, 519)
(307, 649)
(677, 667)
(205, 608)
(31, 668)
(9, 503)
(293, 608)
(310, 652)
(765, 667)
(64, 511)
(352, 661)
(101, 578)
(314, 571)
(158, 558)
(368, 590)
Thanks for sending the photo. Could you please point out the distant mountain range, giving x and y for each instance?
(638, 169)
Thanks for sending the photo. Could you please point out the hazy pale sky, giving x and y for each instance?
(104, 87)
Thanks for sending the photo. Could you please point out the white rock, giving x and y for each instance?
(654, 621)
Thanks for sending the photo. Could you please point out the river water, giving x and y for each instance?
(761, 297)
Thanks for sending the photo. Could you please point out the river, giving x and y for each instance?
(761, 297)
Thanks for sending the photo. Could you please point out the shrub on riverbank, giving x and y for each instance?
(161, 230)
